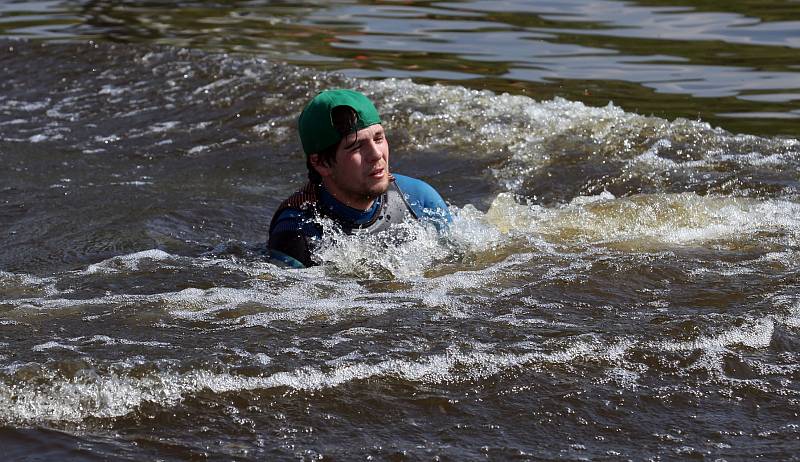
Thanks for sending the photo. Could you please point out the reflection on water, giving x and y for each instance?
(733, 64)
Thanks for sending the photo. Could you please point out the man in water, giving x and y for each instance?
(347, 156)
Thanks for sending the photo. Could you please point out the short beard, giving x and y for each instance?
(378, 191)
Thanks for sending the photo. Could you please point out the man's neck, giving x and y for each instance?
(343, 211)
(358, 202)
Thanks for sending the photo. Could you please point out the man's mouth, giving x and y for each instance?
(378, 173)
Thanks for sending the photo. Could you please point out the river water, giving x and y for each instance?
(620, 280)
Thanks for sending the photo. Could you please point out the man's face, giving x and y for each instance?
(361, 171)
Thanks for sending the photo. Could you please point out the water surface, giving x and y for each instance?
(616, 284)
(734, 65)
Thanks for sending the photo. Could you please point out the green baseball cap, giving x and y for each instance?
(316, 128)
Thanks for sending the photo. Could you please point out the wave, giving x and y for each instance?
(164, 101)
(115, 390)
(654, 220)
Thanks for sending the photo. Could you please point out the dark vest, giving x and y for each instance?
(393, 209)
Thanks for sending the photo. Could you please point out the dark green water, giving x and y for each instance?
(620, 281)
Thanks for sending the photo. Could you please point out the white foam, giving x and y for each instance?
(407, 251)
(107, 139)
(661, 219)
(361, 332)
(454, 294)
(651, 160)
(516, 320)
(624, 378)
(299, 296)
(472, 233)
(521, 137)
(205, 89)
(132, 183)
(55, 113)
(52, 345)
(262, 358)
(512, 129)
(28, 106)
(198, 149)
(585, 200)
(331, 308)
(757, 159)
(15, 284)
(723, 269)
(274, 128)
(481, 117)
(792, 318)
(14, 122)
(114, 395)
(128, 262)
(755, 334)
(75, 400)
(106, 340)
(38, 138)
(112, 90)
(162, 127)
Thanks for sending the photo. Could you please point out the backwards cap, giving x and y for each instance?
(316, 128)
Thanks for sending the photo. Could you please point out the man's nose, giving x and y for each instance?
(372, 150)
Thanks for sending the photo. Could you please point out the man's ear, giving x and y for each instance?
(322, 168)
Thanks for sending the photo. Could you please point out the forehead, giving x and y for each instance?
(365, 133)
(369, 132)
(372, 130)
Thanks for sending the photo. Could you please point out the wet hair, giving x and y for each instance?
(345, 121)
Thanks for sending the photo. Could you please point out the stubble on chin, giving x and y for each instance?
(375, 191)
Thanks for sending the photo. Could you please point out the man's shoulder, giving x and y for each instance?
(289, 215)
(301, 199)
(295, 209)
(289, 236)
(424, 200)
(414, 187)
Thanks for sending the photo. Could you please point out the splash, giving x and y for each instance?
(553, 151)
(650, 221)
(406, 250)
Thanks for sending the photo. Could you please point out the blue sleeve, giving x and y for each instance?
(279, 258)
(294, 220)
(288, 239)
(426, 203)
